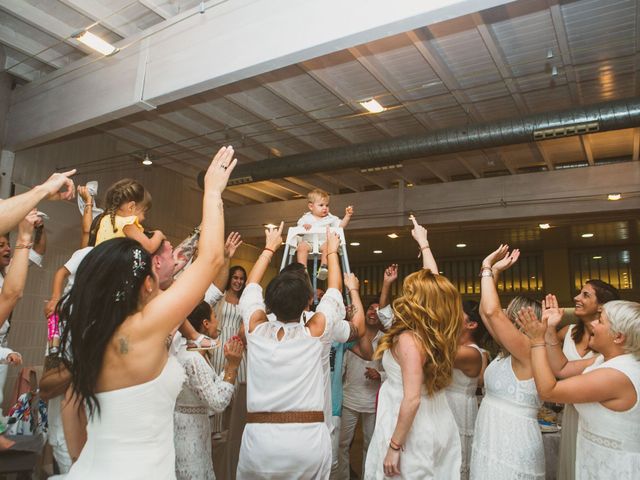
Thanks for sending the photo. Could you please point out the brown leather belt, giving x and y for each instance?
(285, 417)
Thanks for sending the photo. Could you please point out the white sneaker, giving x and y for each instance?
(323, 272)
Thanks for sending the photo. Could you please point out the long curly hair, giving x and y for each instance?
(105, 293)
(431, 309)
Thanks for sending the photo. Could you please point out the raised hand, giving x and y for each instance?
(59, 186)
(531, 325)
(419, 233)
(222, 164)
(83, 192)
(333, 241)
(351, 281)
(348, 211)
(14, 359)
(507, 262)
(551, 313)
(232, 243)
(391, 273)
(26, 226)
(273, 237)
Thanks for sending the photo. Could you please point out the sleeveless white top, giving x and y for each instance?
(132, 437)
(569, 347)
(609, 441)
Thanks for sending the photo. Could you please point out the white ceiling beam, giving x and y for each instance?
(539, 152)
(30, 47)
(565, 50)
(266, 189)
(338, 180)
(288, 186)
(506, 162)
(585, 141)
(251, 193)
(43, 21)
(466, 164)
(100, 12)
(312, 183)
(191, 53)
(443, 178)
(372, 179)
(165, 11)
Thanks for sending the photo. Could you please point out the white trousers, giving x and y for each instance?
(347, 431)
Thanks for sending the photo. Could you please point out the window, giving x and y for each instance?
(611, 265)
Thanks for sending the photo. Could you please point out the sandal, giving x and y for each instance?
(197, 344)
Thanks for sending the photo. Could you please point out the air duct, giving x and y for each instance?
(613, 115)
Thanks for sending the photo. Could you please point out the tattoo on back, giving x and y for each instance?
(124, 345)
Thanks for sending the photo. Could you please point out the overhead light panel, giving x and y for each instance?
(587, 235)
(461, 245)
(597, 257)
(355, 244)
(381, 168)
(96, 43)
(614, 196)
(567, 131)
(373, 106)
(377, 251)
(393, 235)
(544, 226)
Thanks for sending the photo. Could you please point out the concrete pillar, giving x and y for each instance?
(557, 276)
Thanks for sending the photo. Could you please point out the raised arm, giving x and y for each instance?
(184, 252)
(348, 212)
(499, 326)
(58, 186)
(390, 276)
(169, 309)
(334, 279)
(411, 360)
(151, 245)
(16, 278)
(600, 385)
(87, 215)
(419, 234)
(230, 246)
(58, 286)
(357, 322)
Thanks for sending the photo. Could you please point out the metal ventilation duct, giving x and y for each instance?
(601, 117)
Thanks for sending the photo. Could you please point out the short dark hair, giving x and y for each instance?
(287, 295)
(199, 314)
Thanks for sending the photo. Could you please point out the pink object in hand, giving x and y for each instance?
(53, 329)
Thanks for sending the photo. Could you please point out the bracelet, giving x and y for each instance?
(486, 272)
(395, 446)
(331, 253)
(425, 247)
(269, 250)
(23, 245)
(535, 345)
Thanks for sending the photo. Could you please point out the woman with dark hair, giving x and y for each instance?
(118, 330)
(203, 391)
(230, 321)
(468, 366)
(575, 345)
(286, 436)
(507, 443)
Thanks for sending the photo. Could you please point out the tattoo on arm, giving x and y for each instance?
(124, 345)
(189, 244)
(353, 332)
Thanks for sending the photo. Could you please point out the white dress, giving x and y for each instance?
(285, 375)
(461, 395)
(608, 441)
(507, 443)
(203, 392)
(567, 460)
(432, 446)
(132, 437)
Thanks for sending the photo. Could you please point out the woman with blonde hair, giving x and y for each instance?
(415, 434)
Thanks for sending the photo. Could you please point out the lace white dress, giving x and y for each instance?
(507, 443)
(432, 447)
(608, 443)
(461, 395)
(132, 437)
(203, 392)
(285, 375)
(567, 460)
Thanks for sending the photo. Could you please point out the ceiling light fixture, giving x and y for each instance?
(587, 235)
(373, 106)
(549, 53)
(355, 244)
(393, 235)
(544, 226)
(380, 168)
(147, 161)
(614, 196)
(554, 71)
(597, 257)
(377, 251)
(461, 245)
(96, 43)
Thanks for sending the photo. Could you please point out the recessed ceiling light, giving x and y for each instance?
(96, 43)
(461, 245)
(597, 257)
(355, 244)
(533, 278)
(373, 106)
(377, 251)
(409, 185)
(270, 225)
(393, 235)
(544, 226)
(614, 196)
(587, 235)
(147, 161)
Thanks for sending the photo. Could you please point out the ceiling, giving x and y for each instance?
(525, 57)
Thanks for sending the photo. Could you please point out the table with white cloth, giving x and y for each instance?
(551, 442)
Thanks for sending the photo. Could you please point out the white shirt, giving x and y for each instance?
(72, 266)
